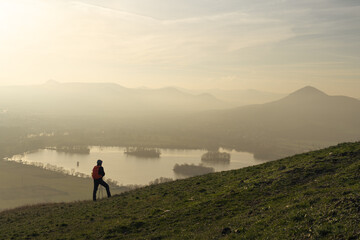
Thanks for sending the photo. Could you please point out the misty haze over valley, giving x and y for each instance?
(109, 114)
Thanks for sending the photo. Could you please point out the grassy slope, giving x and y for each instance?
(24, 184)
(308, 196)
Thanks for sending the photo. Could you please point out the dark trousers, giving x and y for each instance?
(96, 185)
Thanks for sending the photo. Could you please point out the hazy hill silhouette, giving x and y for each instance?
(306, 114)
(96, 98)
(305, 119)
(239, 97)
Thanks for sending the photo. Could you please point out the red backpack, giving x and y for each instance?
(95, 173)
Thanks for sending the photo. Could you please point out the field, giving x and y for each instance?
(26, 185)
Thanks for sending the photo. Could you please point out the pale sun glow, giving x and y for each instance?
(278, 46)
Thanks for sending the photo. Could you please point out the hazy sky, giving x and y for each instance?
(273, 45)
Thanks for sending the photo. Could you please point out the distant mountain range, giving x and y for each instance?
(101, 98)
(109, 98)
(303, 120)
(240, 97)
(305, 117)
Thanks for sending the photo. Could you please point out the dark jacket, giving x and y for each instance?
(101, 171)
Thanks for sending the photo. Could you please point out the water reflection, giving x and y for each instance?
(128, 169)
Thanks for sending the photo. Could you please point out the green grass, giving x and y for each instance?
(314, 195)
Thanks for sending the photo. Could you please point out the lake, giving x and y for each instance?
(127, 169)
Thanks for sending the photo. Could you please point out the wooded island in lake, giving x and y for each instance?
(192, 170)
(216, 157)
(143, 152)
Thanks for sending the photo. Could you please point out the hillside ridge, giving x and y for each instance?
(314, 195)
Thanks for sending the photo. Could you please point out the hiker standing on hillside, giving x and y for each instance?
(98, 174)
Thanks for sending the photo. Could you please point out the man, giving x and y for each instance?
(98, 174)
